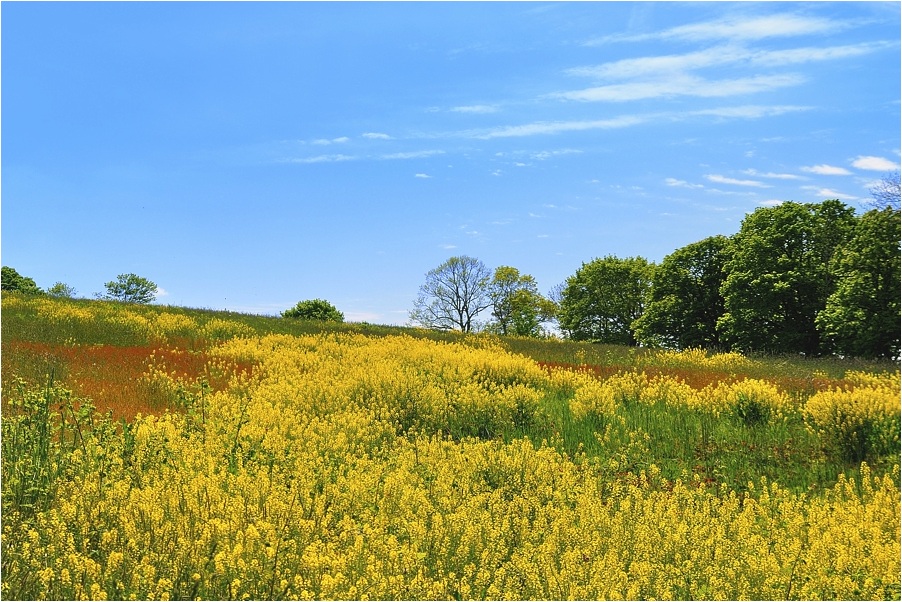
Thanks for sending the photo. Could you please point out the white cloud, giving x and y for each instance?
(827, 170)
(422, 175)
(681, 183)
(448, 247)
(741, 28)
(161, 292)
(322, 159)
(657, 65)
(325, 142)
(725, 180)
(682, 84)
(827, 193)
(750, 111)
(775, 176)
(543, 155)
(794, 56)
(376, 136)
(721, 55)
(556, 127)
(771, 203)
(475, 109)
(413, 154)
(874, 164)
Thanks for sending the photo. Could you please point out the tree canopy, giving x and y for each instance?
(517, 306)
(861, 316)
(131, 288)
(602, 300)
(778, 276)
(685, 300)
(13, 281)
(453, 295)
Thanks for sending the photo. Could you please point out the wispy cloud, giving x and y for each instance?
(413, 154)
(874, 164)
(423, 176)
(716, 56)
(828, 193)
(543, 155)
(742, 28)
(681, 183)
(725, 180)
(827, 170)
(749, 111)
(737, 28)
(376, 136)
(475, 109)
(775, 176)
(321, 159)
(556, 127)
(682, 84)
(623, 121)
(326, 142)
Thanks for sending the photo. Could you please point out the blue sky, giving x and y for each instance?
(247, 156)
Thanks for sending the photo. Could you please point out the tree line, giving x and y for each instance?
(127, 288)
(811, 278)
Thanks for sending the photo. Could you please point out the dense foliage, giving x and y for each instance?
(685, 300)
(797, 278)
(778, 276)
(604, 298)
(314, 309)
(861, 317)
(13, 281)
(517, 306)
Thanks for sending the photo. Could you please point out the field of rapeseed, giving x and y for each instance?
(163, 453)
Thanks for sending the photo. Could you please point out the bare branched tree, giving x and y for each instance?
(454, 293)
(886, 192)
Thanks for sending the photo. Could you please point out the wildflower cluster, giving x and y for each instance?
(699, 358)
(751, 400)
(861, 419)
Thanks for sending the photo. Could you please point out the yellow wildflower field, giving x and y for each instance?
(345, 466)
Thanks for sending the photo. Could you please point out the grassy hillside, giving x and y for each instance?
(352, 460)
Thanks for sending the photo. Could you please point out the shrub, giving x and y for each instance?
(314, 309)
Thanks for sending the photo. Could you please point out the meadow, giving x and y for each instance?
(155, 452)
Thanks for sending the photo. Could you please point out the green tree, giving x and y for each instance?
(862, 315)
(517, 306)
(685, 301)
(314, 309)
(62, 290)
(778, 276)
(130, 288)
(603, 298)
(453, 295)
(13, 281)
